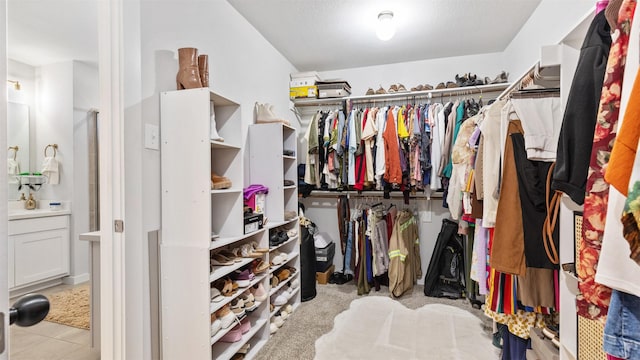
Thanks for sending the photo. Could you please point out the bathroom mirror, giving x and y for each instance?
(18, 134)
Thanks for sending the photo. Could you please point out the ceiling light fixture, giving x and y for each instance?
(386, 27)
(14, 83)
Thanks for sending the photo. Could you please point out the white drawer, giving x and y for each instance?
(24, 226)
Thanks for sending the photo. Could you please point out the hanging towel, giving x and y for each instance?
(50, 170)
(13, 167)
(13, 170)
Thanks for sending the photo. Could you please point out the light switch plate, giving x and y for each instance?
(151, 137)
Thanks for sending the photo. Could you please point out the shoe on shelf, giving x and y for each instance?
(291, 233)
(258, 266)
(295, 283)
(230, 254)
(283, 314)
(243, 278)
(417, 88)
(218, 259)
(460, 80)
(401, 88)
(440, 86)
(216, 324)
(237, 356)
(250, 303)
(273, 328)
(219, 182)
(225, 286)
(428, 87)
(234, 335)
(451, 84)
(503, 77)
(244, 349)
(280, 299)
(288, 308)
(274, 281)
(266, 115)
(278, 320)
(393, 89)
(247, 251)
(203, 69)
(279, 258)
(283, 274)
(289, 215)
(213, 128)
(259, 293)
(381, 91)
(370, 92)
(258, 249)
(237, 307)
(226, 316)
(188, 76)
(245, 325)
(215, 294)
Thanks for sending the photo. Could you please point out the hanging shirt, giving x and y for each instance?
(381, 120)
(369, 135)
(353, 146)
(490, 128)
(436, 118)
(393, 170)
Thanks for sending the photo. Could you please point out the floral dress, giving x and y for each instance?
(593, 301)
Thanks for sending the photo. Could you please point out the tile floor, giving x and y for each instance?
(50, 341)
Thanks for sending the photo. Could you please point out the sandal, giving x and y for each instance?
(274, 281)
(255, 247)
(259, 266)
(283, 275)
(247, 252)
(218, 259)
(230, 254)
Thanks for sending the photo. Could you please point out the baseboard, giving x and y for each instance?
(76, 279)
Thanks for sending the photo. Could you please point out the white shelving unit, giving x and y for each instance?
(197, 221)
(271, 167)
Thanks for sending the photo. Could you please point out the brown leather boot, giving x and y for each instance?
(203, 67)
(188, 76)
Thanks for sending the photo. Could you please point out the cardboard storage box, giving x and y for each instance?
(303, 92)
(253, 222)
(323, 277)
(324, 257)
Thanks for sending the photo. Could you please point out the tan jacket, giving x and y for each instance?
(404, 259)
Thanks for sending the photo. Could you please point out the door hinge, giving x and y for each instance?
(118, 226)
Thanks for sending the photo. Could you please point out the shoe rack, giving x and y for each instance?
(198, 222)
(273, 159)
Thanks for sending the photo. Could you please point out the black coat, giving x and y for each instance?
(578, 126)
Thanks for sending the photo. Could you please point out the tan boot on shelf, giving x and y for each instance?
(188, 76)
(219, 182)
(265, 114)
(203, 68)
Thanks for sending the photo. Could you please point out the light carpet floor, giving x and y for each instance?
(70, 307)
(297, 337)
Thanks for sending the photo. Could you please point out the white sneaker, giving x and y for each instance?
(278, 321)
(227, 320)
(216, 325)
(273, 328)
(280, 299)
(295, 283)
(289, 309)
(284, 315)
(214, 131)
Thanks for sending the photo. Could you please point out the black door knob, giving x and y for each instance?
(29, 310)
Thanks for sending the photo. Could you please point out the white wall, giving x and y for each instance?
(413, 73)
(243, 67)
(4, 284)
(548, 25)
(53, 125)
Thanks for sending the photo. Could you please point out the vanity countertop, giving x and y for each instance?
(16, 214)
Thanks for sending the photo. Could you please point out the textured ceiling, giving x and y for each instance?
(338, 34)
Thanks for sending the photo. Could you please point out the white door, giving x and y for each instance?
(4, 243)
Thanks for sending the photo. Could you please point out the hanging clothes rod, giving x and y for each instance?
(371, 194)
(409, 95)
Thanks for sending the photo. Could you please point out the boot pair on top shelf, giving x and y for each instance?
(193, 70)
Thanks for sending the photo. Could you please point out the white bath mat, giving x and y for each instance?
(377, 327)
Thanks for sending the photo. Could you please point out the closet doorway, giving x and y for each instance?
(52, 63)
